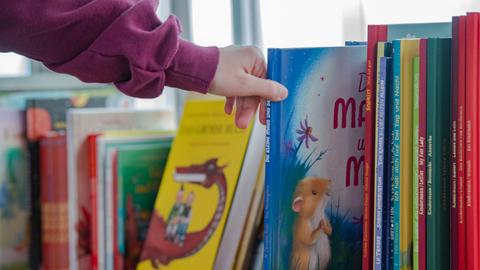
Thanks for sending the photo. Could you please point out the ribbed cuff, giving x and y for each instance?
(193, 67)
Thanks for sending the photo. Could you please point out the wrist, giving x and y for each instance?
(193, 67)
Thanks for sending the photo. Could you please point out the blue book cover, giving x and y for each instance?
(380, 236)
(395, 159)
(315, 158)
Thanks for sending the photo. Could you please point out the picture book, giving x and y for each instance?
(14, 190)
(472, 153)
(54, 200)
(438, 153)
(104, 230)
(379, 33)
(43, 115)
(197, 189)
(459, 73)
(409, 49)
(415, 129)
(80, 124)
(139, 172)
(314, 159)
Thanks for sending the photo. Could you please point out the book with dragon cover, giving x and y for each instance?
(314, 159)
(197, 190)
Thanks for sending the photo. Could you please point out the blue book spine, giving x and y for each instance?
(395, 149)
(271, 147)
(380, 167)
(386, 164)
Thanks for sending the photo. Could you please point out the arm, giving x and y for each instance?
(107, 41)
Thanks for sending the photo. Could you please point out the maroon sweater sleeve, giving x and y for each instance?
(107, 41)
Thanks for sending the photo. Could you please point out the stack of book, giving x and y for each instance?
(422, 155)
(87, 184)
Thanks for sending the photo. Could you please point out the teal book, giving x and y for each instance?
(438, 153)
(315, 159)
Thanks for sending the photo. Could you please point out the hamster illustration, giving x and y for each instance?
(311, 246)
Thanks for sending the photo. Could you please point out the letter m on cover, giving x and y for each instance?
(356, 164)
(341, 109)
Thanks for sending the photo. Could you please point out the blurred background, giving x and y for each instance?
(264, 23)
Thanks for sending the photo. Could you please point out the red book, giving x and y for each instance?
(453, 141)
(460, 70)
(92, 173)
(471, 152)
(54, 201)
(422, 154)
(376, 33)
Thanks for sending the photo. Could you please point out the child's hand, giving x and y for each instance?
(240, 77)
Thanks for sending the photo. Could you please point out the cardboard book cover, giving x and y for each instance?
(315, 159)
(197, 190)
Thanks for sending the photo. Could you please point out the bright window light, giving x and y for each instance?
(12, 64)
(212, 22)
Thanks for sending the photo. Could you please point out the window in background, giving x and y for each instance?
(212, 22)
(310, 23)
(12, 65)
(415, 11)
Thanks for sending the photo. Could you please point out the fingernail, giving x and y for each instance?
(282, 93)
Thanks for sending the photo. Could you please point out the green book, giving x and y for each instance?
(416, 113)
(139, 172)
(438, 153)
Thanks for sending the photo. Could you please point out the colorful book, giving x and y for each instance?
(415, 136)
(197, 189)
(139, 172)
(377, 33)
(380, 230)
(438, 149)
(14, 190)
(409, 49)
(109, 253)
(54, 200)
(44, 115)
(422, 155)
(471, 147)
(314, 159)
(459, 71)
(81, 123)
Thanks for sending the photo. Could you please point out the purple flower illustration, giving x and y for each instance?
(305, 133)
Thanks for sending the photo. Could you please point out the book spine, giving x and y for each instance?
(379, 165)
(453, 139)
(367, 245)
(416, 79)
(54, 202)
(395, 233)
(471, 153)
(387, 164)
(271, 148)
(460, 70)
(438, 204)
(422, 151)
(92, 171)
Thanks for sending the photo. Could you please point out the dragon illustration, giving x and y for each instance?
(157, 248)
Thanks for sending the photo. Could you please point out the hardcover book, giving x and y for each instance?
(314, 159)
(80, 124)
(197, 189)
(14, 190)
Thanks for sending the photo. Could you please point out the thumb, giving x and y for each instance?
(264, 88)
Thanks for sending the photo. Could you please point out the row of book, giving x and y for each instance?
(422, 153)
(87, 186)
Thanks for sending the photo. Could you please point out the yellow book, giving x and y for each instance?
(197, 188)
(409, 50)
